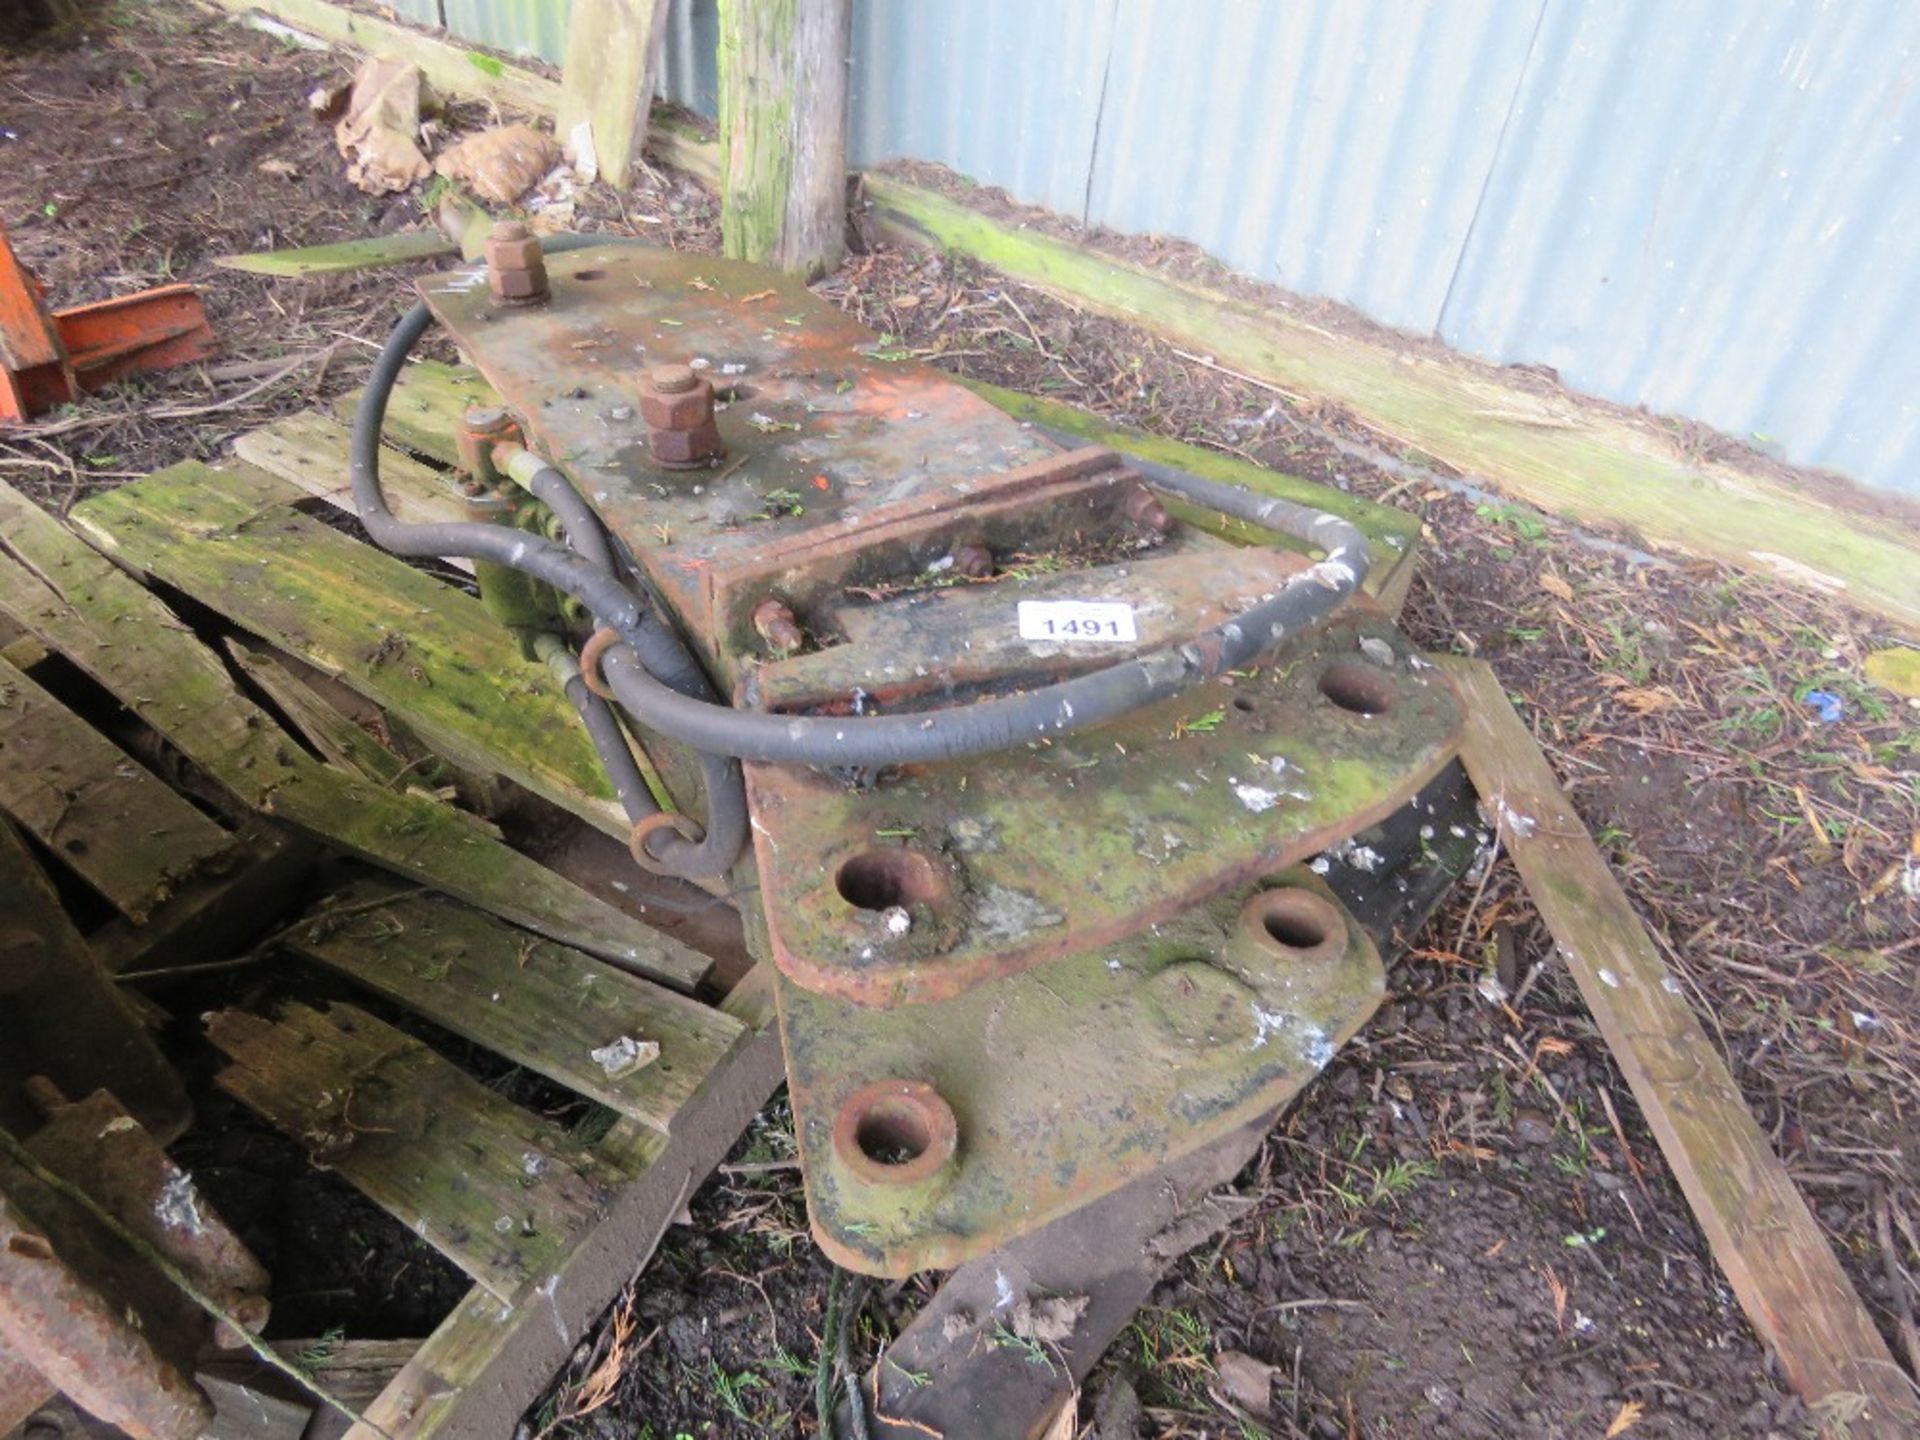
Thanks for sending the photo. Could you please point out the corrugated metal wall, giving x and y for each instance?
(1706, 207)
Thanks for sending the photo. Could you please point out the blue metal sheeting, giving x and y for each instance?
(1704, 207)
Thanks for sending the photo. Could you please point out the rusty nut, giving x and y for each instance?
(516, 268)
(674, 397)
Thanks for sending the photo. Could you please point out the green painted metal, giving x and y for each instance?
(1068, 1081)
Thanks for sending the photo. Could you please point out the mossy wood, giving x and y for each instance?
(80, 604)
(108, 819)
(783, 132)
(451, 69)
(374, 253)
(413, 645)
(496, 1189)
(220, 909)
(1575, 458)
(543, 1005)
(310, 451)
(1393, 536)
(1766, 1240)
(612, 66)
(423, 415)
(338, 739)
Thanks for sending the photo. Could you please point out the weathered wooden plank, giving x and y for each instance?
(452, 69)
(427, 654)
(121, 830)
(310, 451)
(424, 412)
(79, 603)
(1393, 536)
(783, 132)
(1590, 462)
(216, 912)
(612, 67)
(1774, 1255)
(486, 1363)
(345, 257)
(546, 1006)
(500, 1192)
(336, 737)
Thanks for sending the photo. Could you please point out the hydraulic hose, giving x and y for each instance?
(598, 589)
(603, 729)
(983, 726)
(659, 683)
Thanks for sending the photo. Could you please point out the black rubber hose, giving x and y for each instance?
(630, 787)
(599, 590)
(999, 724)
(585, 533)
(651, 677)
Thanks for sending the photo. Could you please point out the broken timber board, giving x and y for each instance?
(417, 647)
(127, 834)
(945, 1375)
(220, 909)
(344, 257)
(499, 1191)
(476, 1375)
(540, 1004)
(612, 69)
(79, 603)
(1393, 536)
(333, 734)
(310, 451)
(1766, 1240)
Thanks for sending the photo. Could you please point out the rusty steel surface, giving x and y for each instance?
(1044, 1092)
(953, 875)
(81, 1308)
(90, 1318)
(96, 1145)
(820, 428)
(1013, 983)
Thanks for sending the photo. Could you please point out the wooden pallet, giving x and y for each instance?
(354, 697)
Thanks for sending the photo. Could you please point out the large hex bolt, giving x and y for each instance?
(516, 270)
(677, 404)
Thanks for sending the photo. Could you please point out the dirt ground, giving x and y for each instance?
(1464, 1228)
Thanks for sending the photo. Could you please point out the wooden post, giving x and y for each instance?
(612, 70)
(783, 132)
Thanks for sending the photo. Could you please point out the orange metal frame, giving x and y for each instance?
(50, 358)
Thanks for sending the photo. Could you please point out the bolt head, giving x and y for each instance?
(673, 379)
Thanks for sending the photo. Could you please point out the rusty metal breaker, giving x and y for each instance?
(1013, 772)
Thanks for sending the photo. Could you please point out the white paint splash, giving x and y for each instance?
(1254, 797)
